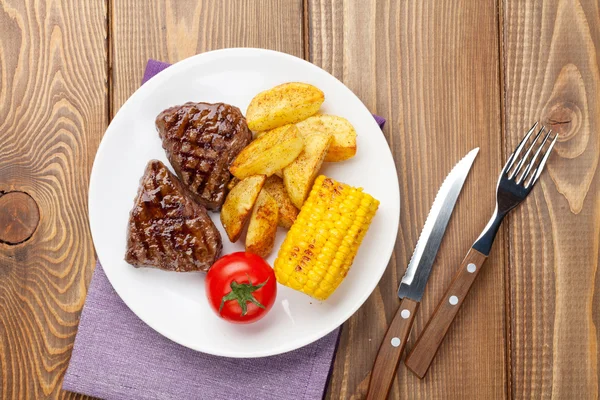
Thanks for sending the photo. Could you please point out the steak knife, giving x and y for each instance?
(413, 283)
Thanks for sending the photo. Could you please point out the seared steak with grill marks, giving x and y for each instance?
(201, 141)
(167, 228)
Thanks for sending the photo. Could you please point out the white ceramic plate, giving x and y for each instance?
(174, 304)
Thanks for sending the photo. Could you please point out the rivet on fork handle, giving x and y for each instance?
(427, 345)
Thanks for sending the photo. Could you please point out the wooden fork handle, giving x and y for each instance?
(422, 354)
(386, 363)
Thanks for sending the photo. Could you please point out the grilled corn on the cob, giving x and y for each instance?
(321, 244)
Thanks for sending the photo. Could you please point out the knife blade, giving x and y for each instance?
(418, 270)
(413, 283)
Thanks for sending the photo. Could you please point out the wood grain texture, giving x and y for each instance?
(432, 69)
(52, 116)
(552, 74)
(446, 83)
(172, 30)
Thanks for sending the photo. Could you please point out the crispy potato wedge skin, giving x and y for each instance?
(287, 211)
(268, 154)
(343, 142)
(278, 129)
(283, 104)
(263, 225)
(239, 203)
(298, 177)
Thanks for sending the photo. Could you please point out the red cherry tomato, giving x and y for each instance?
(241, 287)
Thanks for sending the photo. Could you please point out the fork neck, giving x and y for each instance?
(483, 244)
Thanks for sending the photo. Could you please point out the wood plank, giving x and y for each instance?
(432, 69)
(53, 112)
(552, 74)
(172, 30)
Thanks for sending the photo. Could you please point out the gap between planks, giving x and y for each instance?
(507, 222)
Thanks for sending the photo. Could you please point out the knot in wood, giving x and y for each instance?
(19, 217)
(564, 118)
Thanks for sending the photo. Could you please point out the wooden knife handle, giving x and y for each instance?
(391, 349)
(422, 354)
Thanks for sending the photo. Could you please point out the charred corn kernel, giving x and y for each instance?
(319, 248)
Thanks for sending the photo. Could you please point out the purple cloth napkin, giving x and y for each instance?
(118, 356)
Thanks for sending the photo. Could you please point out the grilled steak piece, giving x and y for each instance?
(201, 141)
(167, 228)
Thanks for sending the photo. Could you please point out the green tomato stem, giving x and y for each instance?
(242, 293)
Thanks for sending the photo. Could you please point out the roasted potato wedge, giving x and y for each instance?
(279, 172)
(239, 203)
(269, 153)
(343, 142)
(287, 211)
(298, 177)
(283, 104)
(263, 225)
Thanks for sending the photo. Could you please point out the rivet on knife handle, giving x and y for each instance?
(428, 343)
(391, 349)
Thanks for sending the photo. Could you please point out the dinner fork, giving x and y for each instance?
(519, 175)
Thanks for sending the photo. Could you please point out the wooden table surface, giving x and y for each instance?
(447, 75)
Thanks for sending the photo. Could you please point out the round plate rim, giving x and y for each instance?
(156, 81)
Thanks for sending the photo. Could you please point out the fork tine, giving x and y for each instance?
(515, 154)
(540, 168)
(517, 169)
(531, 164)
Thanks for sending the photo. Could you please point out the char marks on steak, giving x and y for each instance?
(167, 228)
(201, 141)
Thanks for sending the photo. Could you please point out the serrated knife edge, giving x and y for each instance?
(444, 197)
